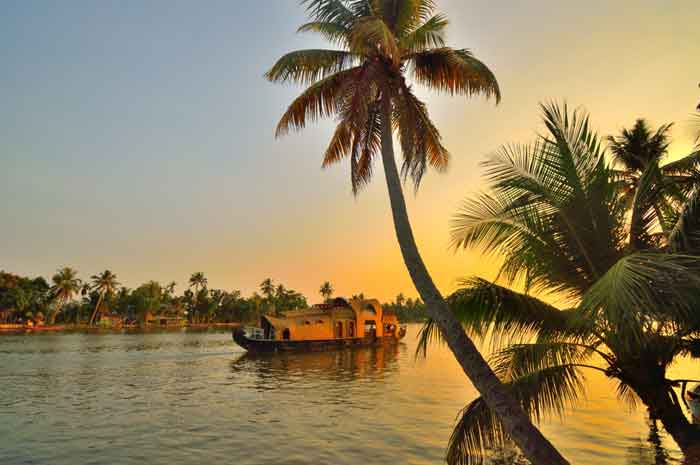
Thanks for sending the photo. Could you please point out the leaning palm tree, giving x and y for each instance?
(639, 154)
(66, 285)
(326, 290)
(104, 284)
(555, 215)
(382, 44)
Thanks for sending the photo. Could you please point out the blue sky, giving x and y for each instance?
(138, 136)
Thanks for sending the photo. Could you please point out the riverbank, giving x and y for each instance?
(8, 328)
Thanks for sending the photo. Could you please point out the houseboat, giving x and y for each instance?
(339, 323)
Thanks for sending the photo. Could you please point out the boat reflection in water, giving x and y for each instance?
(275, 370)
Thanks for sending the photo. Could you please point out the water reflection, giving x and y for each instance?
(344, 366)
(191, 397)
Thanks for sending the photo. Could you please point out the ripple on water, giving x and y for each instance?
(193, 397)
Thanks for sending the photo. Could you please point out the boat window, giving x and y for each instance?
(307, 322)
(339, 329)
(319, 322)
(285, 334)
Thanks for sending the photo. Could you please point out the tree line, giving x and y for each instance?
(68, 299)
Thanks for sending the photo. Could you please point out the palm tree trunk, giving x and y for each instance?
(666, 408)
(97, 307)
(52, 317)
(529, 439)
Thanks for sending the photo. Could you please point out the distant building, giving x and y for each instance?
(111, 320)
(164, 320)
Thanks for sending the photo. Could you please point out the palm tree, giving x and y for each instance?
(364, 84)
(65, 286)
(555, 215)
(326, 290)
(169, 290)
(198, 281)
(267, 287)
(638, 147)
(104, 284)
(639, 153)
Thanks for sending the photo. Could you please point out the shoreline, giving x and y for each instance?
(12, 329)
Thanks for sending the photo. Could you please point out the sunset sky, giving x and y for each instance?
(138, 136)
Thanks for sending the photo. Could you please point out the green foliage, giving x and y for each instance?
(622, 255)
(363, 84)
(478, 430)
(21, 297)
(551, 213)
(407, 310)
(66, 285)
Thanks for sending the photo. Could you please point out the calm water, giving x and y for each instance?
(194, 397)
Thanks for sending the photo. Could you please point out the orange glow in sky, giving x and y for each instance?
(142, 141)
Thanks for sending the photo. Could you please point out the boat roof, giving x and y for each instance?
(338, 308)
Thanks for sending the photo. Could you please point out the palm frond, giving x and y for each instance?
(644, 218)
(428, 334)
(454, 71)
(489, 223)
(333, 32)
(547, 229)
(640, 287)
(627, 395)
(330, 11)
(308, 66)
(575, 149)
(340, 145)
(485, 308)
(403, 16)
(322, 99)
(564, 179)
(430, 34)
(541, 393)
(421, 143)
(525, 174)
(362, 8)
(478, 431)
(366, 145)
(519, 360)
(685, 235)
(530, 242)
(370, 36)
(686, 166)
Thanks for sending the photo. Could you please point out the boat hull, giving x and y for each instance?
(268, 345)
